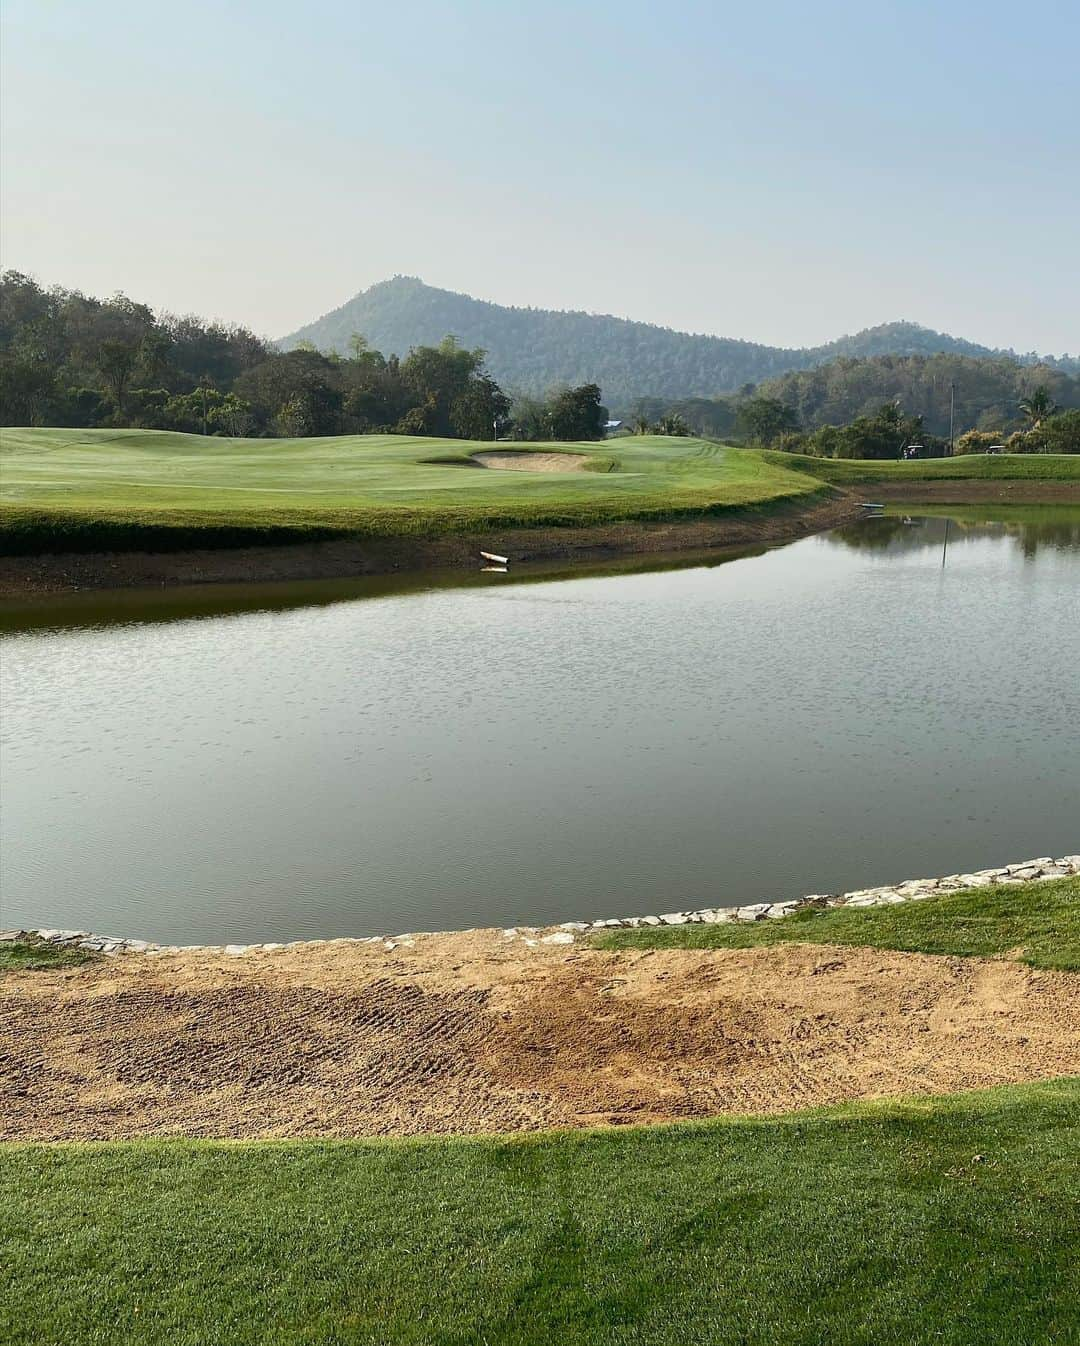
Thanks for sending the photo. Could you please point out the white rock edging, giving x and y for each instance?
(911, 890)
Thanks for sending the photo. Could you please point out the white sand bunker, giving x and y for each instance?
(531, 462)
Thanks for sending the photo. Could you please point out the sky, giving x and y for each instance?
(783, 172)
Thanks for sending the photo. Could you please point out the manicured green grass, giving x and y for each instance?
(86, 488)
(1046, 467)
(947, 1221)
(34, 956)
(1038, 921)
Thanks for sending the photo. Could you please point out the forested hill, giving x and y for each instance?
(530, 350)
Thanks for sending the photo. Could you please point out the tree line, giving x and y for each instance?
(71, 360)
(891, 431)
(877, 407)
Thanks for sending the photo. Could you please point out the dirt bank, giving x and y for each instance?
(473, 1032)
(26, 576)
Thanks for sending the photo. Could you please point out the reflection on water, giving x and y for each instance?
(1028, 529)
(349, 757)
(118, 606)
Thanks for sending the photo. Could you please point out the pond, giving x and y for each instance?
(890, 700)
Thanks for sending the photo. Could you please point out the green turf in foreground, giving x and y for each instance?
(948, 1221)
(1039, 922)
(33, 956)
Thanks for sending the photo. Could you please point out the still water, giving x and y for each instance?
(347, 759)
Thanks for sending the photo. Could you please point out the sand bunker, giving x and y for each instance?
(531, 462)
(471, 1033)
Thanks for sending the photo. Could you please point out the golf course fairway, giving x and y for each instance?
(78, 484)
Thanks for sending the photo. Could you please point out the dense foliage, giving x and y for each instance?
(533, 349)
(66, 359)
(879, 407)
(69, 360)
(989, 394)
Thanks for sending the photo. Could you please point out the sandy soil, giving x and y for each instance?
(531, 462)
(474, 1032)
(34, 576)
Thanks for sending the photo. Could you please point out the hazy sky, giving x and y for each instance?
(780, 171)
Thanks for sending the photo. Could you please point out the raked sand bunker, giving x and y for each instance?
(471, 1032)
(531, 462)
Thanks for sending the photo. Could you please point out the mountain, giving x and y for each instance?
(532, 349)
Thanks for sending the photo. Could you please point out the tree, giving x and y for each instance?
(672, 424)
(361, 352)
(420, 419)
(763, 419)
(1062, 432)
(884, 435)
(298, 389)
(438, 376)
(117, 361)
(1058, 433)
(1038, 405)
(312, 410)
(531, 418)
(577, 413)
(199, 350)
(475, 412)
(154, 349)
(231, 416)
(25, 390)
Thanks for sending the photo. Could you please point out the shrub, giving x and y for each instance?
(979, 441)
(1061, 433)
(1024, 441)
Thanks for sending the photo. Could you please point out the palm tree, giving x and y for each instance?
(1038, 405)
(672, 424)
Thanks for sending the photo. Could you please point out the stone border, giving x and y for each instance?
(911, 890)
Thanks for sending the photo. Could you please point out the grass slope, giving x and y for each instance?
(72, 488)
(947, 1221)
(1040, 920)
(966, 467)
(37, 956)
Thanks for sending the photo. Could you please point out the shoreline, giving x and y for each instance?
(490, 1030)
(972, 491)
(41, 575)
(566, 932)
(45, 574)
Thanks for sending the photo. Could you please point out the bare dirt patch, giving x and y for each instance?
(531, 462)
(472, 1032)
